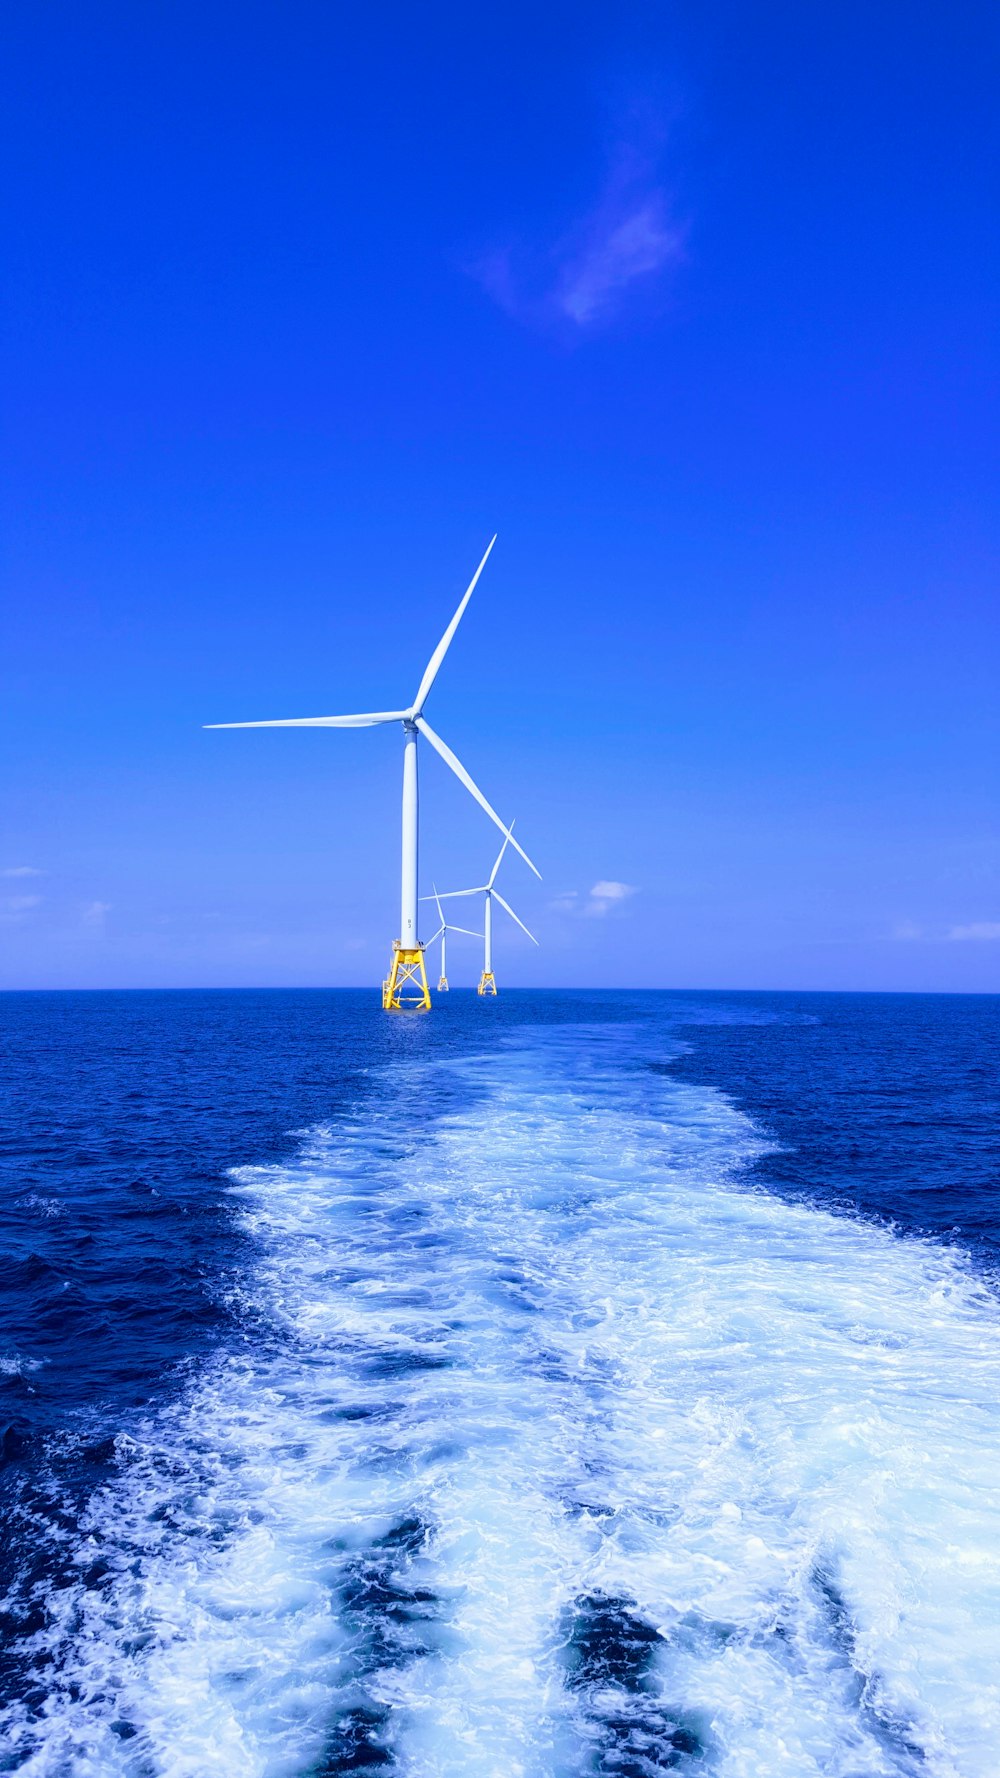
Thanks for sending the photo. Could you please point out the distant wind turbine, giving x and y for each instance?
(487, 981)
(442, 934)
(405, 987)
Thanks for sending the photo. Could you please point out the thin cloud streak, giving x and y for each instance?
(602, 899)
(975, 931)
(621, 248)
(627, 238)
(17, 907)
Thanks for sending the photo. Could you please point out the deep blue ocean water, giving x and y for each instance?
(573, 1383)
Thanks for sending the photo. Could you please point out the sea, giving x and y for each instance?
(566, 1384)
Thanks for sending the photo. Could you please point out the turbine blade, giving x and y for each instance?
(453, 894)
(503, 848)
(437, 898)
(369, 720)
(464, 929)
(431, 670)
(506, 904)
(473, 789)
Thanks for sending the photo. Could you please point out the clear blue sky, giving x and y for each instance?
(696, 306)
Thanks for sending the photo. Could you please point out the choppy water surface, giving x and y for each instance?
(540, 1409)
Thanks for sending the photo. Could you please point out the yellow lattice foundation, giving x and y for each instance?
(442, 984)
(487, 985)
(405, 987)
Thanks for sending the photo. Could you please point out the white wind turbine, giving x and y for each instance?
(487, 982)
(442, 934)
(407, 952)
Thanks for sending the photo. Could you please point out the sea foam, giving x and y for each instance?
(550, 1447)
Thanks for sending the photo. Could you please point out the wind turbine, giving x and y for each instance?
(442, 934)
(405, 987)
(487, 981)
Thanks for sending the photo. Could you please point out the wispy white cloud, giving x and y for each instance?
(621, 242)
(609, 891)
(566, 903)
(15, 907)
(600, 900)
(908, 931)
(626, 239)
(93, 914)
(975, 930)
(21, 870)
(606, 895)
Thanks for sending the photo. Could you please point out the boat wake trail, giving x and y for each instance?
(550, 1448)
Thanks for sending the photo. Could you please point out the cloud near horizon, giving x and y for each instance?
(627, 237)
(981, 931)
(21, 870)
(600, 900)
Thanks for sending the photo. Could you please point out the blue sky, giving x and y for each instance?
(695, 306)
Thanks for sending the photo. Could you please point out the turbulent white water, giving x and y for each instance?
(551, 1450)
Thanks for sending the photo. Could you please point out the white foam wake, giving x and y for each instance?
(552, 1450)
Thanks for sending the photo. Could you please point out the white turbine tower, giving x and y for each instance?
(442, 934)
(487, 981)
(405, 987)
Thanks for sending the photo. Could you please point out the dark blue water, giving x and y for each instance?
(884, 1103)
(403, 1275)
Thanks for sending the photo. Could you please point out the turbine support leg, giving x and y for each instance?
(405, 987)
(487, 984)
